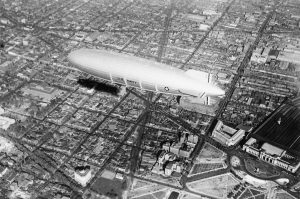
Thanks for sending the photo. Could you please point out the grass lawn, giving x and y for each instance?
(261, 196)
(284, 195)
(218, 186)
(246, 194)
(150, 196)
(111, 188)
(190, 196)
(210, 152)
(263, 169)
(138, 184)
(160, 194)
(203, 167)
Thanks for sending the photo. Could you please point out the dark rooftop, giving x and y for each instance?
(174, 195)
(274, 53)
(282, 127)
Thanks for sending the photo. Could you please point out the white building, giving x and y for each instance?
(83, 176)
(289, 56)
(3, 172)
(4, 21)
(120, 176)
(5, 122)
(227, 135)
(204, 27)
(6, 145)
(209, 12)
(173, 167)
(272, 154)
(259, 56)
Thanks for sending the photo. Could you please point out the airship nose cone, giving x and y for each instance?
(74, 57)
(79, 58)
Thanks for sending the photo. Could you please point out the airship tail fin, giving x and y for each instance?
(205, 99)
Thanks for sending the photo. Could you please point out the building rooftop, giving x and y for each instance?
(282, 127)
(272, 150)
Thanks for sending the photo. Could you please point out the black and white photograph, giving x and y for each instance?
(149, 99)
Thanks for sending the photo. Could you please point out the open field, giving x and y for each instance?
(204, 167)
(218, 186)
(284, 195)
(109, 187)
(210, 152)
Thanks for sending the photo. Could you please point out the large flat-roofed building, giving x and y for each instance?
(227, 135)
(282, 127)
(272, 154)
(277, 139)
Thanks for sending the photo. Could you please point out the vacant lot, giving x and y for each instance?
(210, 152)
(217, 186)
(111, 188)
(204, 167)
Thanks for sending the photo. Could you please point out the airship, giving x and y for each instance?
(141, 73)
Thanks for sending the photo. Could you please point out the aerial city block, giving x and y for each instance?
(150, 99)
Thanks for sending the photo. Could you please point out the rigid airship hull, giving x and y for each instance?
(141, 73)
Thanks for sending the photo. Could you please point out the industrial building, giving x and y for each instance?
(272, 154)
(277, 139)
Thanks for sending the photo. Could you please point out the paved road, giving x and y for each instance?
(163, 41)
(242, 66)
(200, 42)
(116, 149)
